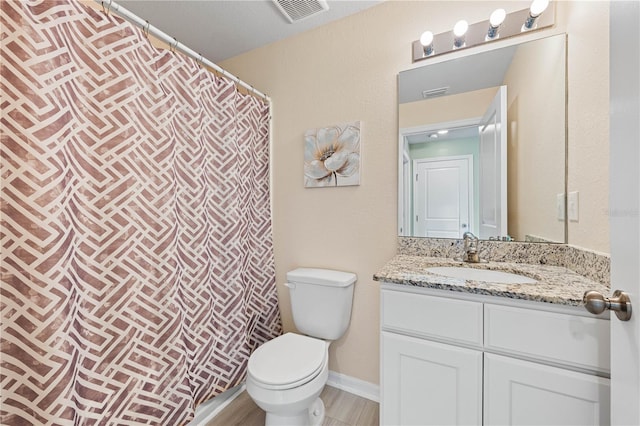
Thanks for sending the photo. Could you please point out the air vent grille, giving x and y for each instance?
(434, 93)
(296, 10)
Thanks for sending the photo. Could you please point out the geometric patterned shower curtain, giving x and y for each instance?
(137, 258)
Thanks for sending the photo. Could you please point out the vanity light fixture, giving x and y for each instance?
(426, 40)
(495, 20)
(459, 33)
(499, 26)
(536, 9)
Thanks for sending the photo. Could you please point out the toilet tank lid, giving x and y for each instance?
(319, 276)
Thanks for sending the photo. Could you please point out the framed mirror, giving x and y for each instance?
(482, 145)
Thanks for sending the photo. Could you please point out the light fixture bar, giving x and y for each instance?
(477, 33)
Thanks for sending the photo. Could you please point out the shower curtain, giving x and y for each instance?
(137, 258)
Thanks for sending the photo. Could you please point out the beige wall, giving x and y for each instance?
(347, 71)
(587, 24)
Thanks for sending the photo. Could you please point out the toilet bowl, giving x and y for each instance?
(287, 374)
(285, 378)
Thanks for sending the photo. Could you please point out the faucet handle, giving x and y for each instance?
(469, 235)
(471, 248)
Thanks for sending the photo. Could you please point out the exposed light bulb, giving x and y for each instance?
(426, 40)
(459, 31)
(497, 17)
(537, 7)
(495, 20)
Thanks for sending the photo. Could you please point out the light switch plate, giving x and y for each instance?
(573, 206)
(560, 207)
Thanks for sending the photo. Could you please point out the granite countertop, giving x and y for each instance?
(556, 284)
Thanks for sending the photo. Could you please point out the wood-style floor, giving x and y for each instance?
(341, 409)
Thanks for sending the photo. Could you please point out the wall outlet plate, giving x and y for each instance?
(573, 206)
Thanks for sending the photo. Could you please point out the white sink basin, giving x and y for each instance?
(473, 274)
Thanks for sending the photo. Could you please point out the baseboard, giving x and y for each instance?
(355, 386)
(209, 409)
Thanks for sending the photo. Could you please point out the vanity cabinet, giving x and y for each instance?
(446, 360)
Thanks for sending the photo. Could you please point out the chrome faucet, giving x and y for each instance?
(471, 244)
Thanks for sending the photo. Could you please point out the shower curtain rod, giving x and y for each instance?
(174, 44)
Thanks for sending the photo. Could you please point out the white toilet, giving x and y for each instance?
(287, 374)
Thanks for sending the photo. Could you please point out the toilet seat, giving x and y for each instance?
(288, 361)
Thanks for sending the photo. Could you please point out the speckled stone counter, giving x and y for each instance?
(556, 284)
(593, 265)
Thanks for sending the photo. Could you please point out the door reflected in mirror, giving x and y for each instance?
(482, 145)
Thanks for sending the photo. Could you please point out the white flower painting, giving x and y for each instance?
(332, 156)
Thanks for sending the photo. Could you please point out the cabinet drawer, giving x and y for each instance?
(440, 318)
(567, 339)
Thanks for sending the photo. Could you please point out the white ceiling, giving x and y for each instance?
(221, 29)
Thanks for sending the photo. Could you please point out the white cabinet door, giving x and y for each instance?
(525, 393)
(428, 383)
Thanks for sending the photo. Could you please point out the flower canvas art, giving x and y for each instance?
(332, 156)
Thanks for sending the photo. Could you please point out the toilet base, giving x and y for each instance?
(300, 406)
(312, 416)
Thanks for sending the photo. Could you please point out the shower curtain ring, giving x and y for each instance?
(108, 11)
(200, 61)
(145, 30)
(174, 45)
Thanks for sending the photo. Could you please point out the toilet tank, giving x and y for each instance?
(321, 301)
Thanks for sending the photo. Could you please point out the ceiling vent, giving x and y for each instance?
(434, 93)
(296, 10)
